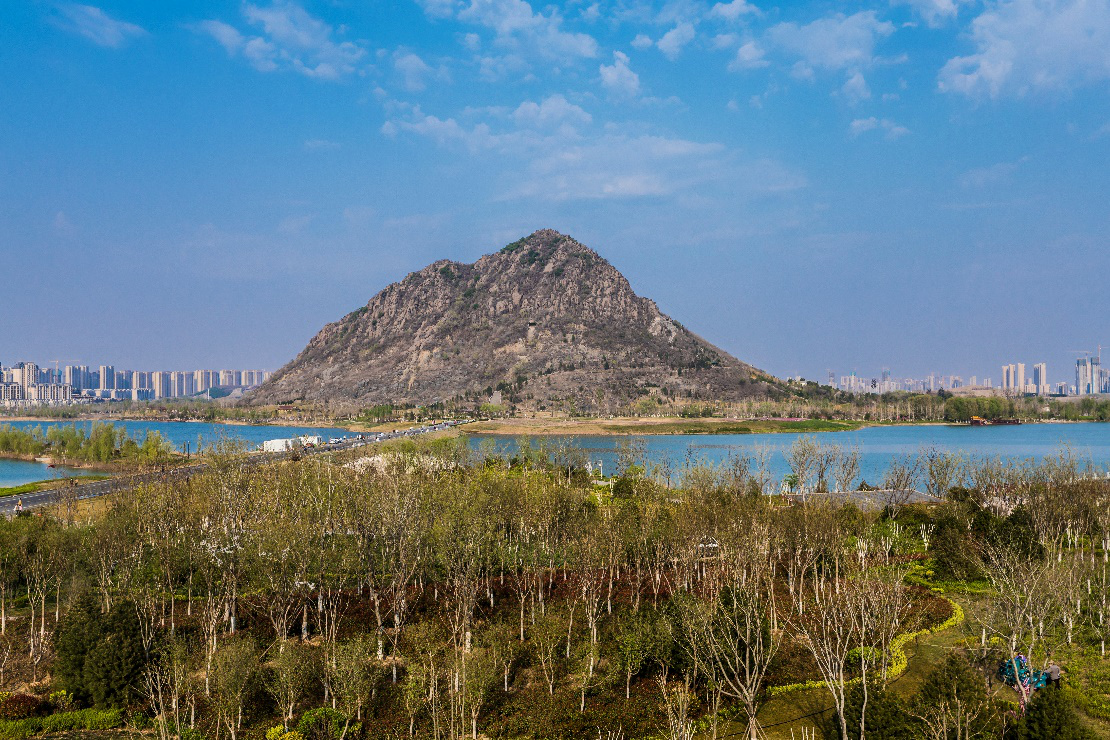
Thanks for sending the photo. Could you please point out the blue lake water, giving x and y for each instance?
(877, 445)
(17, 472)
(196, 434)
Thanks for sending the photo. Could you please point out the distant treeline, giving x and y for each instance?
(101, 443)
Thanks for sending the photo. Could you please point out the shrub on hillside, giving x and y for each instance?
(19, 706)
(1050, 714)
(885, 717)
(100, 657)
(955, 695)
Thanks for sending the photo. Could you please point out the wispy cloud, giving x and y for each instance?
(863, 125)
(980, 177)
(414, 72)
(733, 10)
(835, 42)
(673, 40)
(516, 25)
(97, 26)
(287, 37)
(618, 77)
(934, 12)
(559, 155)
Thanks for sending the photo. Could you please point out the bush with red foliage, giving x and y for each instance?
(19, 706)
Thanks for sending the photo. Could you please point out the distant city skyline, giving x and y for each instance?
(803, 184)
(1084, 376)
(27, 383)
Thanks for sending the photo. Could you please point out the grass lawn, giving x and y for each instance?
(44, 485)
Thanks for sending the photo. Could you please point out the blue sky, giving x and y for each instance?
(919, 184)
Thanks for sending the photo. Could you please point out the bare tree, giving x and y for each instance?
(900, 482)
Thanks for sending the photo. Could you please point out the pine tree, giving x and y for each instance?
(1050, 714)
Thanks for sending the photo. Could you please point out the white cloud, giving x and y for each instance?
(981, 177)
(290, 38)
(97, 26)
(439, 8)
(673, 40)
(733, 10)
(560, 156)
(618, 78)
(1025, 46)
(225, 35)
(495, 68)
(642, 41)
(934, 12)
(552, 112)
(855, 89)
(863, 125)
(414, 71)
(724, 41)
(748, 56)
(836, 42)
(514, 22)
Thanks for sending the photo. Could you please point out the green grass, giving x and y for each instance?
(43, 485)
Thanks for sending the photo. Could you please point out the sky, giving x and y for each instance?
(813, 186)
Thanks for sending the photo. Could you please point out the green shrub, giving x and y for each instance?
(1050, 714)
(885, 717)
(325, 723)
(83, 719)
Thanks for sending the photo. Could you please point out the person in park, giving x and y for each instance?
(1054, 670)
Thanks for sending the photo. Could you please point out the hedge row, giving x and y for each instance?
(899, 660)
(82, 719)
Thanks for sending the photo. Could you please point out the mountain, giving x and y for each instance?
(546, 320)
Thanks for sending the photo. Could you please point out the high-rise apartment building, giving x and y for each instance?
(28, 374)
(1040, 379)
(107, 378)
(1088, 376)
(160, 381)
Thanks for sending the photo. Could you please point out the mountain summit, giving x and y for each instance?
(545, 320)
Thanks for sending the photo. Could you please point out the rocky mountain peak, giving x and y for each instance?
(544, 318)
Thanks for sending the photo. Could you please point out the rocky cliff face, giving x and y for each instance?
(545, 319)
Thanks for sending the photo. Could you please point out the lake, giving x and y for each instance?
(878, 445)
(17, 472)
(178, 433)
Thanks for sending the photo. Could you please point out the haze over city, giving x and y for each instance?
(916, 185)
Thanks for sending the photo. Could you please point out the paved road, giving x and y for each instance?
(10, 504)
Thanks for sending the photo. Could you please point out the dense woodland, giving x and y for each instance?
(435, 592)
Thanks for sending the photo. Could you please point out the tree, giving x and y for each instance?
(1050, 714)
(236, 664)
(634, 645)
(100, 658)
(292, 673)
(952, 704)
(886, 717)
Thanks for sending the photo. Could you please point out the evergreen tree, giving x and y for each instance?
(885, 717)
(100, 656)
(953, 702)
(1050, 714)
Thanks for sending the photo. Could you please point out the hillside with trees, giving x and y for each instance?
(434, 592)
